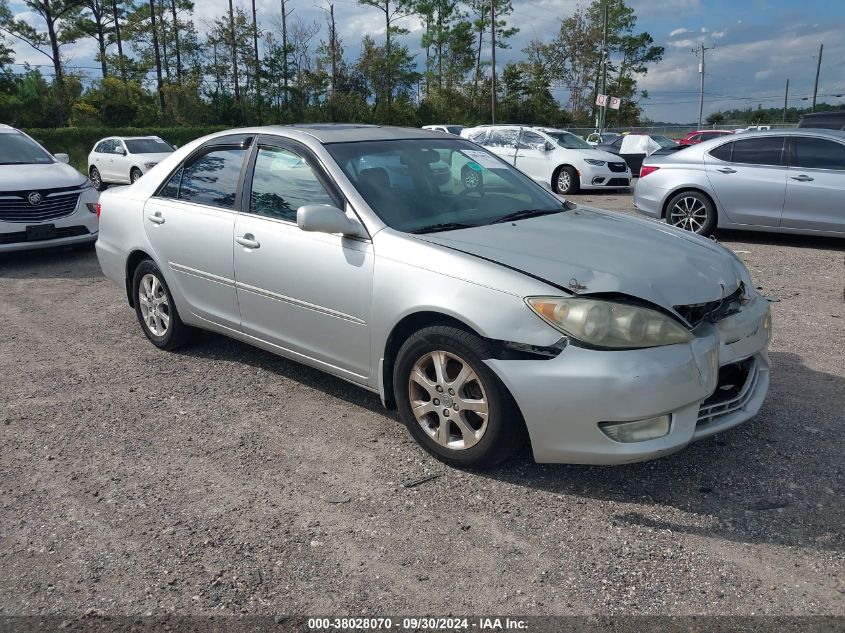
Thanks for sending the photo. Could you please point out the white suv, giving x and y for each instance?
(43, 201)
(122, 160)
(554, 157)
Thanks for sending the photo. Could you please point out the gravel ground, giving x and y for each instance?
(222, 479)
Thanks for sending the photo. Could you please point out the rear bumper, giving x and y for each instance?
(563, 399)
(648, 199)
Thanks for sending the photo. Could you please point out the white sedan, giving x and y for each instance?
(556, 158)
(122, 160)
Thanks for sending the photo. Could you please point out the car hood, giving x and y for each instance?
(601, 154)
(38, 177)
(603, 252)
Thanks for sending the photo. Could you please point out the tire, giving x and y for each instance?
(566, 181)
(96, 179)
(692, 211)
(470, 178)
(455, 434)
(134, 174)
(174, 334)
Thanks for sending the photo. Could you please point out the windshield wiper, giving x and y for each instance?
(443, 226)
(526, 213)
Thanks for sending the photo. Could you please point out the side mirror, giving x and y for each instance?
(62, 158)
(323, 218)
(548, 146)
(122, 152)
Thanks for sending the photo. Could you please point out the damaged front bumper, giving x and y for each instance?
(717, 381)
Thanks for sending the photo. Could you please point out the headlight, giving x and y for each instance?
(150, 165)
(607, 324)
(593, 161)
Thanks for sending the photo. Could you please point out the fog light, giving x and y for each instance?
(638, 430)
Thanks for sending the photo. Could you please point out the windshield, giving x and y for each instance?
(569, 141)
(147, 146)
(17, 149)
(664, 142)
(454, 129)
(439, 184)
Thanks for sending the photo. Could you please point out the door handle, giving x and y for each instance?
(727, 170)
(802, 178)
(248, 241)
(156, 218)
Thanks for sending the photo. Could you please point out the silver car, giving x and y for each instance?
(787, 181)
(486, 315)
(44, 202)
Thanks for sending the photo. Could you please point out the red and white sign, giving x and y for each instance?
(601, 100)
(615, 102)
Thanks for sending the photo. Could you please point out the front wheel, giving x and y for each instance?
(566, 181)
(452, 403)
(692, 211)
(96, 179)
(134, 175)
(155, 309)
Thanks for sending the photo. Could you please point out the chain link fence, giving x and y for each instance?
(679, 131)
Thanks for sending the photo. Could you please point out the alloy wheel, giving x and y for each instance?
(155, 307)
(564, 181)
(689, 213)
(95, 178)
(448, 400)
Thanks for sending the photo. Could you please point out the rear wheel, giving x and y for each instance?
(452, 403)
(134, 175)
(155, 309)
(96, 179)
(566, 180)
(692, 211)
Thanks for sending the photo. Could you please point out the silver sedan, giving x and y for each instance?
(787, 181)
(487, 315)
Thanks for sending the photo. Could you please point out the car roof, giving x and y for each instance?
(833, 114)
(327, 133)
(803, 131)
(7, 129)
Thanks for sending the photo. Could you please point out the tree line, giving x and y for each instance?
(156, 66)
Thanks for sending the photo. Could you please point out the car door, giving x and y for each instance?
(120, 162)
(190, 224)
(309, 293)
(532, 158)
(815, 187)
(98, 155)
(748, 177)
(106, 162)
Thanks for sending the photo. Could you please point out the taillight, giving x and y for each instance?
(98, 210)
(645, 170)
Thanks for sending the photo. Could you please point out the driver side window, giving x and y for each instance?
(531, 140)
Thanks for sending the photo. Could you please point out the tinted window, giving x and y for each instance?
(618, 142)
(723, 152)
(17, 149)
(569, 140)
(765, 150)
(282, 183)
(818, 153)
(663, 141)
(171, 188)
(212, 178)
(147, 146)
(99, 148)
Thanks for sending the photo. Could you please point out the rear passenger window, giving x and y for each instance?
(765, 150)
(503, 138)
(818, 153)
(723, 152)
(212, 178)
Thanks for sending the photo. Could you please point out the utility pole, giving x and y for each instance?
(603, 112)
(285, 14)
(256, 62)
(699, 52)
(234, 50)
(818, 68)
(157, 54)
(785, 100)
(493, 83)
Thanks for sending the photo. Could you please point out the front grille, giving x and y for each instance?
(64, 231)
(55, 203)
(734, 389)
(712, 311)
(617, 182)
(617, 167)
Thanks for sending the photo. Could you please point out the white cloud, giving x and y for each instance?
(679, 31)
